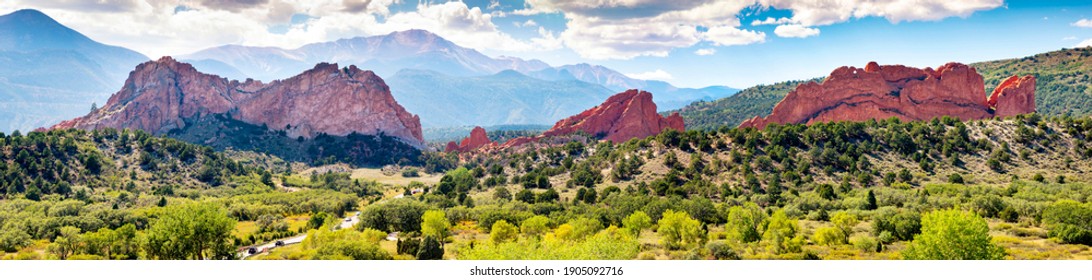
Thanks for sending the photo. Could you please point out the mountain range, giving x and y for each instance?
(389, 54)
(49, 72)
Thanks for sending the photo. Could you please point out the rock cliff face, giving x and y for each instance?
(477, 139)
(161, 95)
(880, 92)
(627, 115)
(624, 116)
(1014, 96)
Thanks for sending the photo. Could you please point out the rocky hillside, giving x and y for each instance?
(1062, 88)
(907, 93)
(1064, 82)
(160, 96)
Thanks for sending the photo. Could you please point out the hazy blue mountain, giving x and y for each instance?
(508, 97)
(49, 72)
(384, 54)
(666, 96)
(423, 50)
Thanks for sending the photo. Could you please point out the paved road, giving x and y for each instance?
(345, 223)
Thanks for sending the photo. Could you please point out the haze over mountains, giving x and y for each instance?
(49, 72)
(387, 55)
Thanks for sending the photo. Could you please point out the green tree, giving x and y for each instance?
(828, 236)
(953, 235)
(69, 242)
(430, 249)
(1069, 221)
(120, 243)
(502, 232)
(372, 235)
(870, 201)
(745, 223)
(502, 193)
(434, 223)
(678, 230)
(637, 222)
(550, 195)
(783, 234)
(844, 222)
(535, 226)
(191, 231)
(345, 244)
(526, 196)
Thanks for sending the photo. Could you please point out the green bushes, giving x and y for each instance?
(1069, 221)
(899, 224)
(953, 235)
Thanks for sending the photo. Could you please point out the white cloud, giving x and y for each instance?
(658, 74)
(731, 36)
(1069, 38)
(708, 51)
(1084, 23)
(1085, 43)
(818, 12)
(795, 31)
(175, 27)
(624, 29)
(528, 23)
(771, 21)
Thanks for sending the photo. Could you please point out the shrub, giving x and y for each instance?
(430, 249)
(865, 243)
(721, 250)
(953, 235)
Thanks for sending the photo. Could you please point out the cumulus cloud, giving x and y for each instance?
(232, 5)
(658, 74)
(355, 6)
(1084, 23)
(771, 21)
(819, 12)
(623, 29)
(703, 52)
(795, 31)
(528, 23)
(159, 28)
(594, 29)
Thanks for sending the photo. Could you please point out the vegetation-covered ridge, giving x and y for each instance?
(110, 194)
(222, 132)
(1062, 88)
(889, 175)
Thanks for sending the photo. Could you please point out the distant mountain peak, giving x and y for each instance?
(29, 29)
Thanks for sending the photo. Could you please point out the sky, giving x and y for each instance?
(689, 43)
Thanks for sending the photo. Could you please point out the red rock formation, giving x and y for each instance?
(1013, 96)
(477, 139)
(624, 116)
(160, 95)
(881, 92)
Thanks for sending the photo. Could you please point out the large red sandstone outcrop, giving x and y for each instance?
(161, 95)
(881, 92)
(477, 139)
(1013, 96)
(624, 116)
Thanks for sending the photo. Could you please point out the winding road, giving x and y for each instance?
(345, 223)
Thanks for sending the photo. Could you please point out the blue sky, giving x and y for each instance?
(691, 43)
